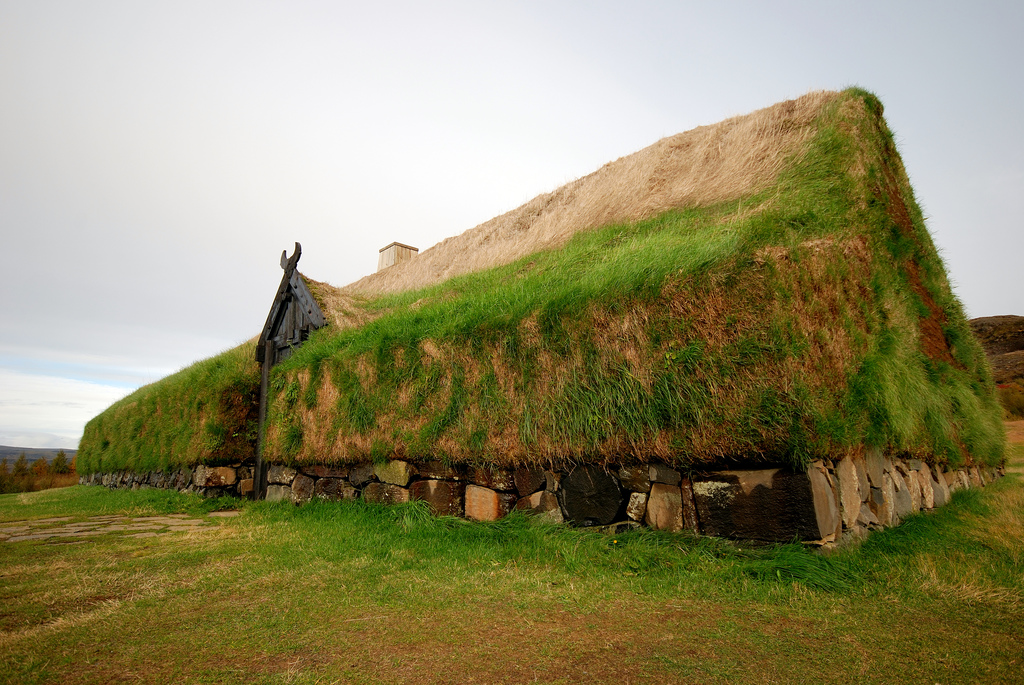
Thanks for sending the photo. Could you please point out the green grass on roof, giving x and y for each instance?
(802, 322)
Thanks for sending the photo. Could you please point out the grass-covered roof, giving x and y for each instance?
(759, 291)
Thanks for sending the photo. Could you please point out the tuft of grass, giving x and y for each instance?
(205, 413)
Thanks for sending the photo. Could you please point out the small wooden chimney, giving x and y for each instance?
(395, 253)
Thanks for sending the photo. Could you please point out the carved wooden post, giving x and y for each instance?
(294, 314)
(259, 476)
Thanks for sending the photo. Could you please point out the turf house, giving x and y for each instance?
(743, 330)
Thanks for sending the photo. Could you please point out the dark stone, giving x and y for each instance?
(665, 508)
(660, 473)
(183, 479)
(636, 478)
(444, 497)
(529, 481)
(213, 476)
(636, 508)
(326, 471)
(361, 473)
(876, 466)
(689, 506)
(395, 471)
(302, 488)
(866, 517)
(495, 479)
(279, 474)
(590, 496)
(276, 493)
(940, 491)
(245, 487)
(484, 504)
(768, 504)
(333, 489)
(849, 491)
(385, 493)
(436, 470)
(881, 506)
(543, 504)
(826, 503)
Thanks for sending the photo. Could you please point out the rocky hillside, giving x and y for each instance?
(1003, 340)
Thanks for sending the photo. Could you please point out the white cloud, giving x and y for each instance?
(45, 411)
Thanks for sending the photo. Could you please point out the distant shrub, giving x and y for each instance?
(60, 463)
(1011, 396)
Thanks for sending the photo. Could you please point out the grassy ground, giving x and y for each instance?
(363, 594)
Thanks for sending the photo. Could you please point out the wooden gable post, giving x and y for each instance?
(293, 316)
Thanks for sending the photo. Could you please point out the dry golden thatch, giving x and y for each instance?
(706, 165)
(342, 309)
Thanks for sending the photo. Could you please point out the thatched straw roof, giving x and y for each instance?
(706, 165)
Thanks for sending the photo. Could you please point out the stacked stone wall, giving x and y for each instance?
(831, 501)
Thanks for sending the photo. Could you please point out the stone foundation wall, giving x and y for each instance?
(830, 501)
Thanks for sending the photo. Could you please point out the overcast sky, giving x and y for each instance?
(156, 157)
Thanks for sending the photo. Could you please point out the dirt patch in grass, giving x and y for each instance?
(934, 343)
(1015, 431)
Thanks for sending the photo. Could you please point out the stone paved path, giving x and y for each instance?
(61, 531)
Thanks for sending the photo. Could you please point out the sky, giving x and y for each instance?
(156, 157)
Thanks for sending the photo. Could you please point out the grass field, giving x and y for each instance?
(363, 594)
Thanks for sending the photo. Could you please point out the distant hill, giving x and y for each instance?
(1002, 337)
(33, 453)
(1003, 340)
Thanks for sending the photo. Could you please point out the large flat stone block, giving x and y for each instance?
(826, 503)
(436, 470)
(940, 489)
(494, 479)
(635, 478)
(636, 508)
(360, 474)
(385, 493)
(590, 496)
(876, 465)
(395, 472)
(334, 489)
(924, 482)
(484, 504)
(529, 481)
(543, 504)
(276, 493)
(767, 504)
(444, 497)
(689, 506)
(320, 471)
(849, 490)
(903, 501)
(302, 488)
(665, 507)
(278, 474)
(660, 473)
(214, 476)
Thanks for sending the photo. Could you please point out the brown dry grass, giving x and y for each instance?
(342, 309)
(706, 165)
(828, 276)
